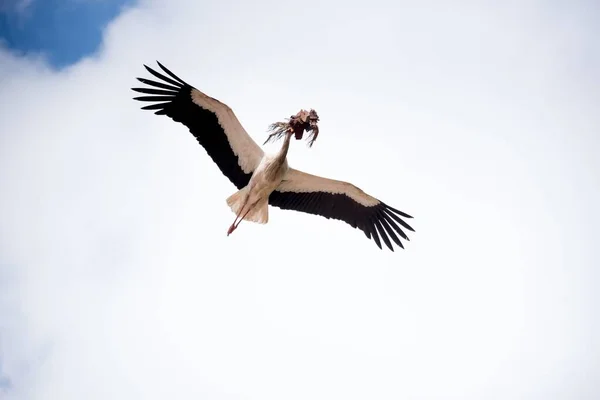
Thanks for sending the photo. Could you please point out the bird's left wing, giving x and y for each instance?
(213, 123)
(343, 201)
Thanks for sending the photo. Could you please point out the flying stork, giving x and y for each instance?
(263, 179)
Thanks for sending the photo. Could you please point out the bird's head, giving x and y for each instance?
(313, 126)
(297, 125)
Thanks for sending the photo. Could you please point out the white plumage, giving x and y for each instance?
(262, 179)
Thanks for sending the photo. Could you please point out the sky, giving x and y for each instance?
(63, 30)
(117, 278)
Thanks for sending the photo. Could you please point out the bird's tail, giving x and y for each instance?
(259, 212)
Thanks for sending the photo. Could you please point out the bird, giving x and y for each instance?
(262, 179)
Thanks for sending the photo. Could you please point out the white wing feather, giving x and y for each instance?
(302, 182)
(243, 146)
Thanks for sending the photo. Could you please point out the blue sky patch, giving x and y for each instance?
(64, 30)
(4, 381)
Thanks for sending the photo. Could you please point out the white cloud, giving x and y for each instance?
(117, 278)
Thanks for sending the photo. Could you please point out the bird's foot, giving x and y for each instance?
(231, 229)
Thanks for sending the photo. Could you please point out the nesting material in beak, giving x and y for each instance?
(302, 121)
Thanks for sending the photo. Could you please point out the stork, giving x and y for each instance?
(266, 179)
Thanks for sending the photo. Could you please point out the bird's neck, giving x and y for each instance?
(284, 148)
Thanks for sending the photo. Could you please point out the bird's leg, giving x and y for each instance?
(234, 225)
(231, 229)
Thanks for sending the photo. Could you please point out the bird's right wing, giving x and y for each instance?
(340, 200)
(213, 123)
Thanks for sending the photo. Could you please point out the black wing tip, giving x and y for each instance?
(160, 65)
(378, 222)
(168, 88)
(386, 224)
(389, 247)
(398, 215)
(169, 79)
(402, 213)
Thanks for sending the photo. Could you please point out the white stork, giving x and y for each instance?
(263, 179)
